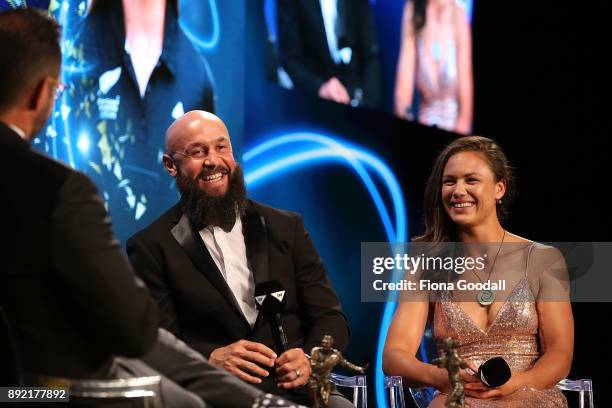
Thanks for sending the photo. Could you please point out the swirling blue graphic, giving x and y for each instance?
(291, 151)
(213, 39)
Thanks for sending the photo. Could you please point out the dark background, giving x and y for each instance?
(541, 90)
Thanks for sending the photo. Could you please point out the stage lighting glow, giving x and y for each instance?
(65, 111)
(304, 149)
(83, 143)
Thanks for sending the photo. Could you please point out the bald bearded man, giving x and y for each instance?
(202, 259)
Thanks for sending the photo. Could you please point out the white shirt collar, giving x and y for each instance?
(17, 130)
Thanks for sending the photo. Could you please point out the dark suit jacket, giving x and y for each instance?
(196, 303)
(189, 369)
(70, 295)
(304, 51)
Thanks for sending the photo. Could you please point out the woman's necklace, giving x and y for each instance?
(486, 297)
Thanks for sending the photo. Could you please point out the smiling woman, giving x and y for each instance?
(467, 186)
(471, 183)
(467, 196)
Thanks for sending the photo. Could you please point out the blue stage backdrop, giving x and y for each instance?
(346, 170)
(102, 127)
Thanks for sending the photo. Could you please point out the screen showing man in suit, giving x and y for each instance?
(202, 259)
(411, 58)
(131, 67)
(329, 49)
(131, 62)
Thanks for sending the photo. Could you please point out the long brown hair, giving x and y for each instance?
(438, 225)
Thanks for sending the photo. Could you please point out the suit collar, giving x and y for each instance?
(190, 240)
(340, 28)
(256, 242)
(9, 137)
(170, 50)
(255, 237)
(321, 33)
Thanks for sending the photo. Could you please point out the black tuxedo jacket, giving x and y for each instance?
(304, 51)
(198, 306)
(69, 294)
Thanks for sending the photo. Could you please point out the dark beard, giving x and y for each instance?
(205, 210)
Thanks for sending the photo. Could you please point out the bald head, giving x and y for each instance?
(198, 148)
(192, 127)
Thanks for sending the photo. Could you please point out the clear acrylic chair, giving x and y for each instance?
(584, 388)
(395, 391)
(359, 385)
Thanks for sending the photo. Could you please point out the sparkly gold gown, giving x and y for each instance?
(513, 335)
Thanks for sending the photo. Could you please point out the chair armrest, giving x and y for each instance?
(349, 381)
(575, 385)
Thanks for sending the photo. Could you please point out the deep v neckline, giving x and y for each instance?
(499, 312)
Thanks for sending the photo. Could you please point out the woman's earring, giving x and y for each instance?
(499, 201)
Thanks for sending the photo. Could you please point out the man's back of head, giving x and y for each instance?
(30, 60)
(68, 292)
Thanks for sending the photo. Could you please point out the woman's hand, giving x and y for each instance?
(481, 391)
(467, 377)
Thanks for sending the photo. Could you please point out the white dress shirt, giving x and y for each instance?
(143, 66)
(329, 9)
(228, 250)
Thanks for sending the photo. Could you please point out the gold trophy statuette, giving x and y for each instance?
(453, 363)
(322, 360)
